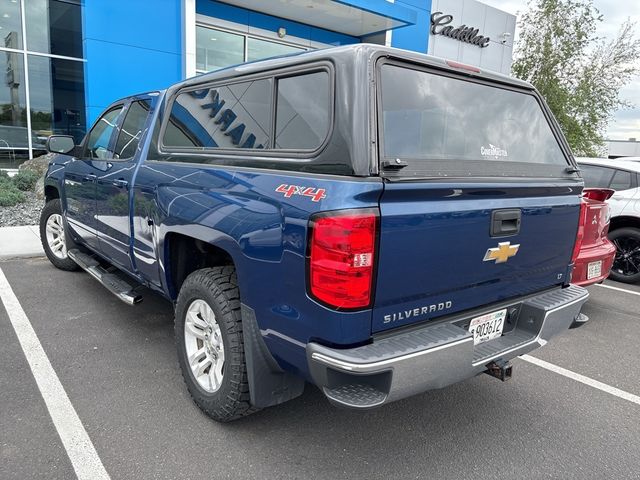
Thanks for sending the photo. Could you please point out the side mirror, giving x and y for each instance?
(60, 144)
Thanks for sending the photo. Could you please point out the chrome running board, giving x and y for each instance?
(111, 281)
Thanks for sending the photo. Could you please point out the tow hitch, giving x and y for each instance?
(499, 369)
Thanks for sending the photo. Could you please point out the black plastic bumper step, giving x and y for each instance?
(111, 281)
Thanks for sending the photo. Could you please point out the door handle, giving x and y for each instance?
(120, 183)
(89, 178)
(505, 222)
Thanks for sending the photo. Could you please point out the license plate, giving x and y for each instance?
(488, 326)
(594, 269)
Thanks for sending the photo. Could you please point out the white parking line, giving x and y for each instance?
(76, 441)
(582, 379)
(617, 288)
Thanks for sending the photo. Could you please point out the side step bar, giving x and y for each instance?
(111, 281)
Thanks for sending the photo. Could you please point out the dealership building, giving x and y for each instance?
(64, 61)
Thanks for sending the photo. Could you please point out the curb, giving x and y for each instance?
(20, 242)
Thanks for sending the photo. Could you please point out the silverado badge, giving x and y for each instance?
(501, 253)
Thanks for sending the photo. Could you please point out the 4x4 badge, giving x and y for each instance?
(316, 194)
(503, 252)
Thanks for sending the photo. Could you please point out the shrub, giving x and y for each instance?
(5, 180)
(25, 180)
(9, 194)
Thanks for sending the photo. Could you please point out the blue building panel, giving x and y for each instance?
(223, 11)
(140, 52)
(414, 37)
(121, 70)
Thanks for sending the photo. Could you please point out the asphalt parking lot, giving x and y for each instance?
(118, 367)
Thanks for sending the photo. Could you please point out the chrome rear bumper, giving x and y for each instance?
(435, 356)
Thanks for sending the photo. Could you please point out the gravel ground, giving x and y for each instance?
(27, 213)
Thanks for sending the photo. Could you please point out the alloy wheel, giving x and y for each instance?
(204, 346)
(55, 236)
(627, 259)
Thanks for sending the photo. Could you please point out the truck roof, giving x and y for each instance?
(349, 53)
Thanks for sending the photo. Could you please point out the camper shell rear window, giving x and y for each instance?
(440, 124)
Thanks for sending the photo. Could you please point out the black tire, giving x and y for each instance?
(60, 260)
(626, 265)
(218, 288)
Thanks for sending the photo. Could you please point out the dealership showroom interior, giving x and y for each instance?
(319, 239)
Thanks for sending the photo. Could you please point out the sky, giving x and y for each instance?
(626, 123)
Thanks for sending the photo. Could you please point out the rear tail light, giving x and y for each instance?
(599, 194)
(580, 235)
(342, 255)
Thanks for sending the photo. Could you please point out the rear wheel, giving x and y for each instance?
(626, 265)
(55, 241)
(210, 345)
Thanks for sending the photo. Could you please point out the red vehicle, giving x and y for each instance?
(596, 251)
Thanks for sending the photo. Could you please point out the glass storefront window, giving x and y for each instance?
(258, 49)
(14, 143)
(64, 33)
(217, 49)
(56, 96)
(10, 24)
(55, 100)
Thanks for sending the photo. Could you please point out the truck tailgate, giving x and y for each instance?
(435, 239)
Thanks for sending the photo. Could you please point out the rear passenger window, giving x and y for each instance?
(241, 115)
(596, 177)
(621, 180)
(132, 128)
(302, 111)
(233, 116)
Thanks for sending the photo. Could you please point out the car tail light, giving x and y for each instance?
(580, 235)
(599, 194)
(342, 255)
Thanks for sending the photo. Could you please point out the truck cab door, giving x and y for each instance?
(81, 173)
(113, 185)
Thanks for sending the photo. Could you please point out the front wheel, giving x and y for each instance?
(208, 328)
(54, 240)
(626, 264)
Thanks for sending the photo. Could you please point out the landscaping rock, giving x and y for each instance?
(38, 164)
(39, 188)
(27, 213)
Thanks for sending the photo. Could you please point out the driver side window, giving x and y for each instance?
(98, 142)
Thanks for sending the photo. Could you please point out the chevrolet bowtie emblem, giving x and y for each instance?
(503, 252)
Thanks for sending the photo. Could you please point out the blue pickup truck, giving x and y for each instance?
(373, 221)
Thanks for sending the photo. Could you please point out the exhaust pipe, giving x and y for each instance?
(499, 369)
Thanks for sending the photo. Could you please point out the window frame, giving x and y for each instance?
(380, 61)
(271, 153)
(122, 105)
(632, 179)
(634, 175)
(145, 132)
(599, 167)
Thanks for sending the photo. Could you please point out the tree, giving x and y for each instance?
(578, 73)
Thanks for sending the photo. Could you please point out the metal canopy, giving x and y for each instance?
(351, 17)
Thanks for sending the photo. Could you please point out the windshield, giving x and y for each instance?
(429, 117)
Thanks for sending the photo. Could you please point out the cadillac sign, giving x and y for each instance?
(440, 25)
